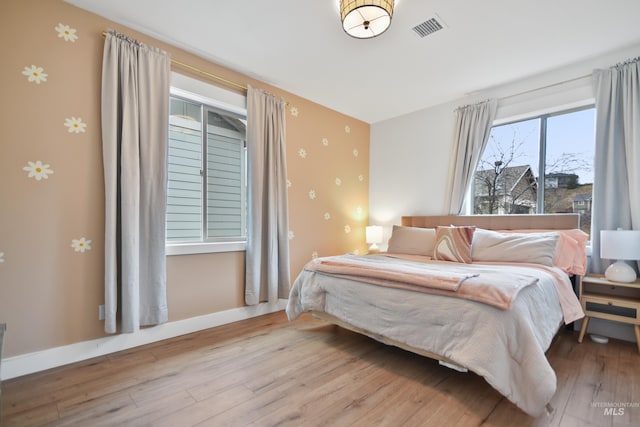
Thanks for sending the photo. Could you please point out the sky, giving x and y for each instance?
(570, 137)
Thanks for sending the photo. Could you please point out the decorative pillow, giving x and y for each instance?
(454, 243)
(536, 248)
(412, 241)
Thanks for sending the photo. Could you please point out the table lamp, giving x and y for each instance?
(374, 236)
(620, 245)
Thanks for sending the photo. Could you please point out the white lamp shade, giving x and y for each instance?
(364, 19)
(620, 245)
(374, 234)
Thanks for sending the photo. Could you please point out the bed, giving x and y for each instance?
(503, 339)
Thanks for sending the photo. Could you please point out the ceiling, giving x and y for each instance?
(299, 45)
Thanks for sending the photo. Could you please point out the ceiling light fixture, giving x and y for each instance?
(364, 19)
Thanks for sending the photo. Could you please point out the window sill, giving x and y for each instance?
(203, 248)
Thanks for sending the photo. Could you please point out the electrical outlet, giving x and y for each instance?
(101, 312)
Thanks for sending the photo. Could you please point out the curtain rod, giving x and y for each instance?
(199, 71)
(544, 87)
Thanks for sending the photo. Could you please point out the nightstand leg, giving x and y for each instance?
(636, 328)
(583, 329)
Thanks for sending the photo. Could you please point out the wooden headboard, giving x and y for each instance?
(498, 222)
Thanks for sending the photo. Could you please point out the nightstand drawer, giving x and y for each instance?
(612, 308)
(613, 290)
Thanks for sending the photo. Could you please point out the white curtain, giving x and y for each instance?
(473, 126)
(616, 186)
(135, 114)
(267, 255)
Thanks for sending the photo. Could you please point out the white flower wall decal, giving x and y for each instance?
(289, 184)
(312, 194)
(314, 254)
(291, 235)
(302, 153)
(35, 74)
(338, 182)
(355, 152)
(347, 129)
(327, 216)
(38, 170)
(294, 111)
(75, 125)
(81, 244)
(1, 257)
(66, 32)
(360, 177)
(325, 142)
(347, 229)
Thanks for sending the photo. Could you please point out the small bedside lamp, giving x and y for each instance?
(620, 245)
(374, 236)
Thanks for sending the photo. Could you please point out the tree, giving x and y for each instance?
(499, 185)
(567, 163)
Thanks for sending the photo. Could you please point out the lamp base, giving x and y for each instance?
(620, 271)
(374, 249)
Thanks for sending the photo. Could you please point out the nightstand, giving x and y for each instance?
(604, 299)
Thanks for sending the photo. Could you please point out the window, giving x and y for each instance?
(539, 165)
(206, 196)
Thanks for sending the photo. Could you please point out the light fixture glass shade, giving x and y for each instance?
(373, 237)
(364, 19)
(620, 245)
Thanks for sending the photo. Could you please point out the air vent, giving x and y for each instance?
(429, 26)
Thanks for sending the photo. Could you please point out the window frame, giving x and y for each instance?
(542, 139)
(209, 245)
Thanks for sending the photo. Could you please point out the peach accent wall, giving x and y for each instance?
(52, 212)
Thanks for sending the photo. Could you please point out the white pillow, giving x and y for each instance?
(412, 241)
(491, 246)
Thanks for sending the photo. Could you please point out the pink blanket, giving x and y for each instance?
(496, 285)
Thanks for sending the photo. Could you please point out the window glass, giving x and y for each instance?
(539, 165)
(184, 190)
(505, 180)
(206, 199)
(570, 146)
(225, 176)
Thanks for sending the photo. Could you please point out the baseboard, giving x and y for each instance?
(29, 363)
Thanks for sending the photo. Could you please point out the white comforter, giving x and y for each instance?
(506, 347)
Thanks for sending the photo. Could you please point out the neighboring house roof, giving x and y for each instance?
(510, 177)
(582, 197)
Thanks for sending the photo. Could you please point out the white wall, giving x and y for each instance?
(410, 155)
(407, 156)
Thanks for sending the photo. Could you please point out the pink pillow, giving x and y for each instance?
(454, 243)
(572, 250)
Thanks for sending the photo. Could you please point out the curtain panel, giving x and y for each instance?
(267, 254)
(135, 115)
(616, 186)
(473, 126)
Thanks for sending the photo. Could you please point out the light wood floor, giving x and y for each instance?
(267, 372)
